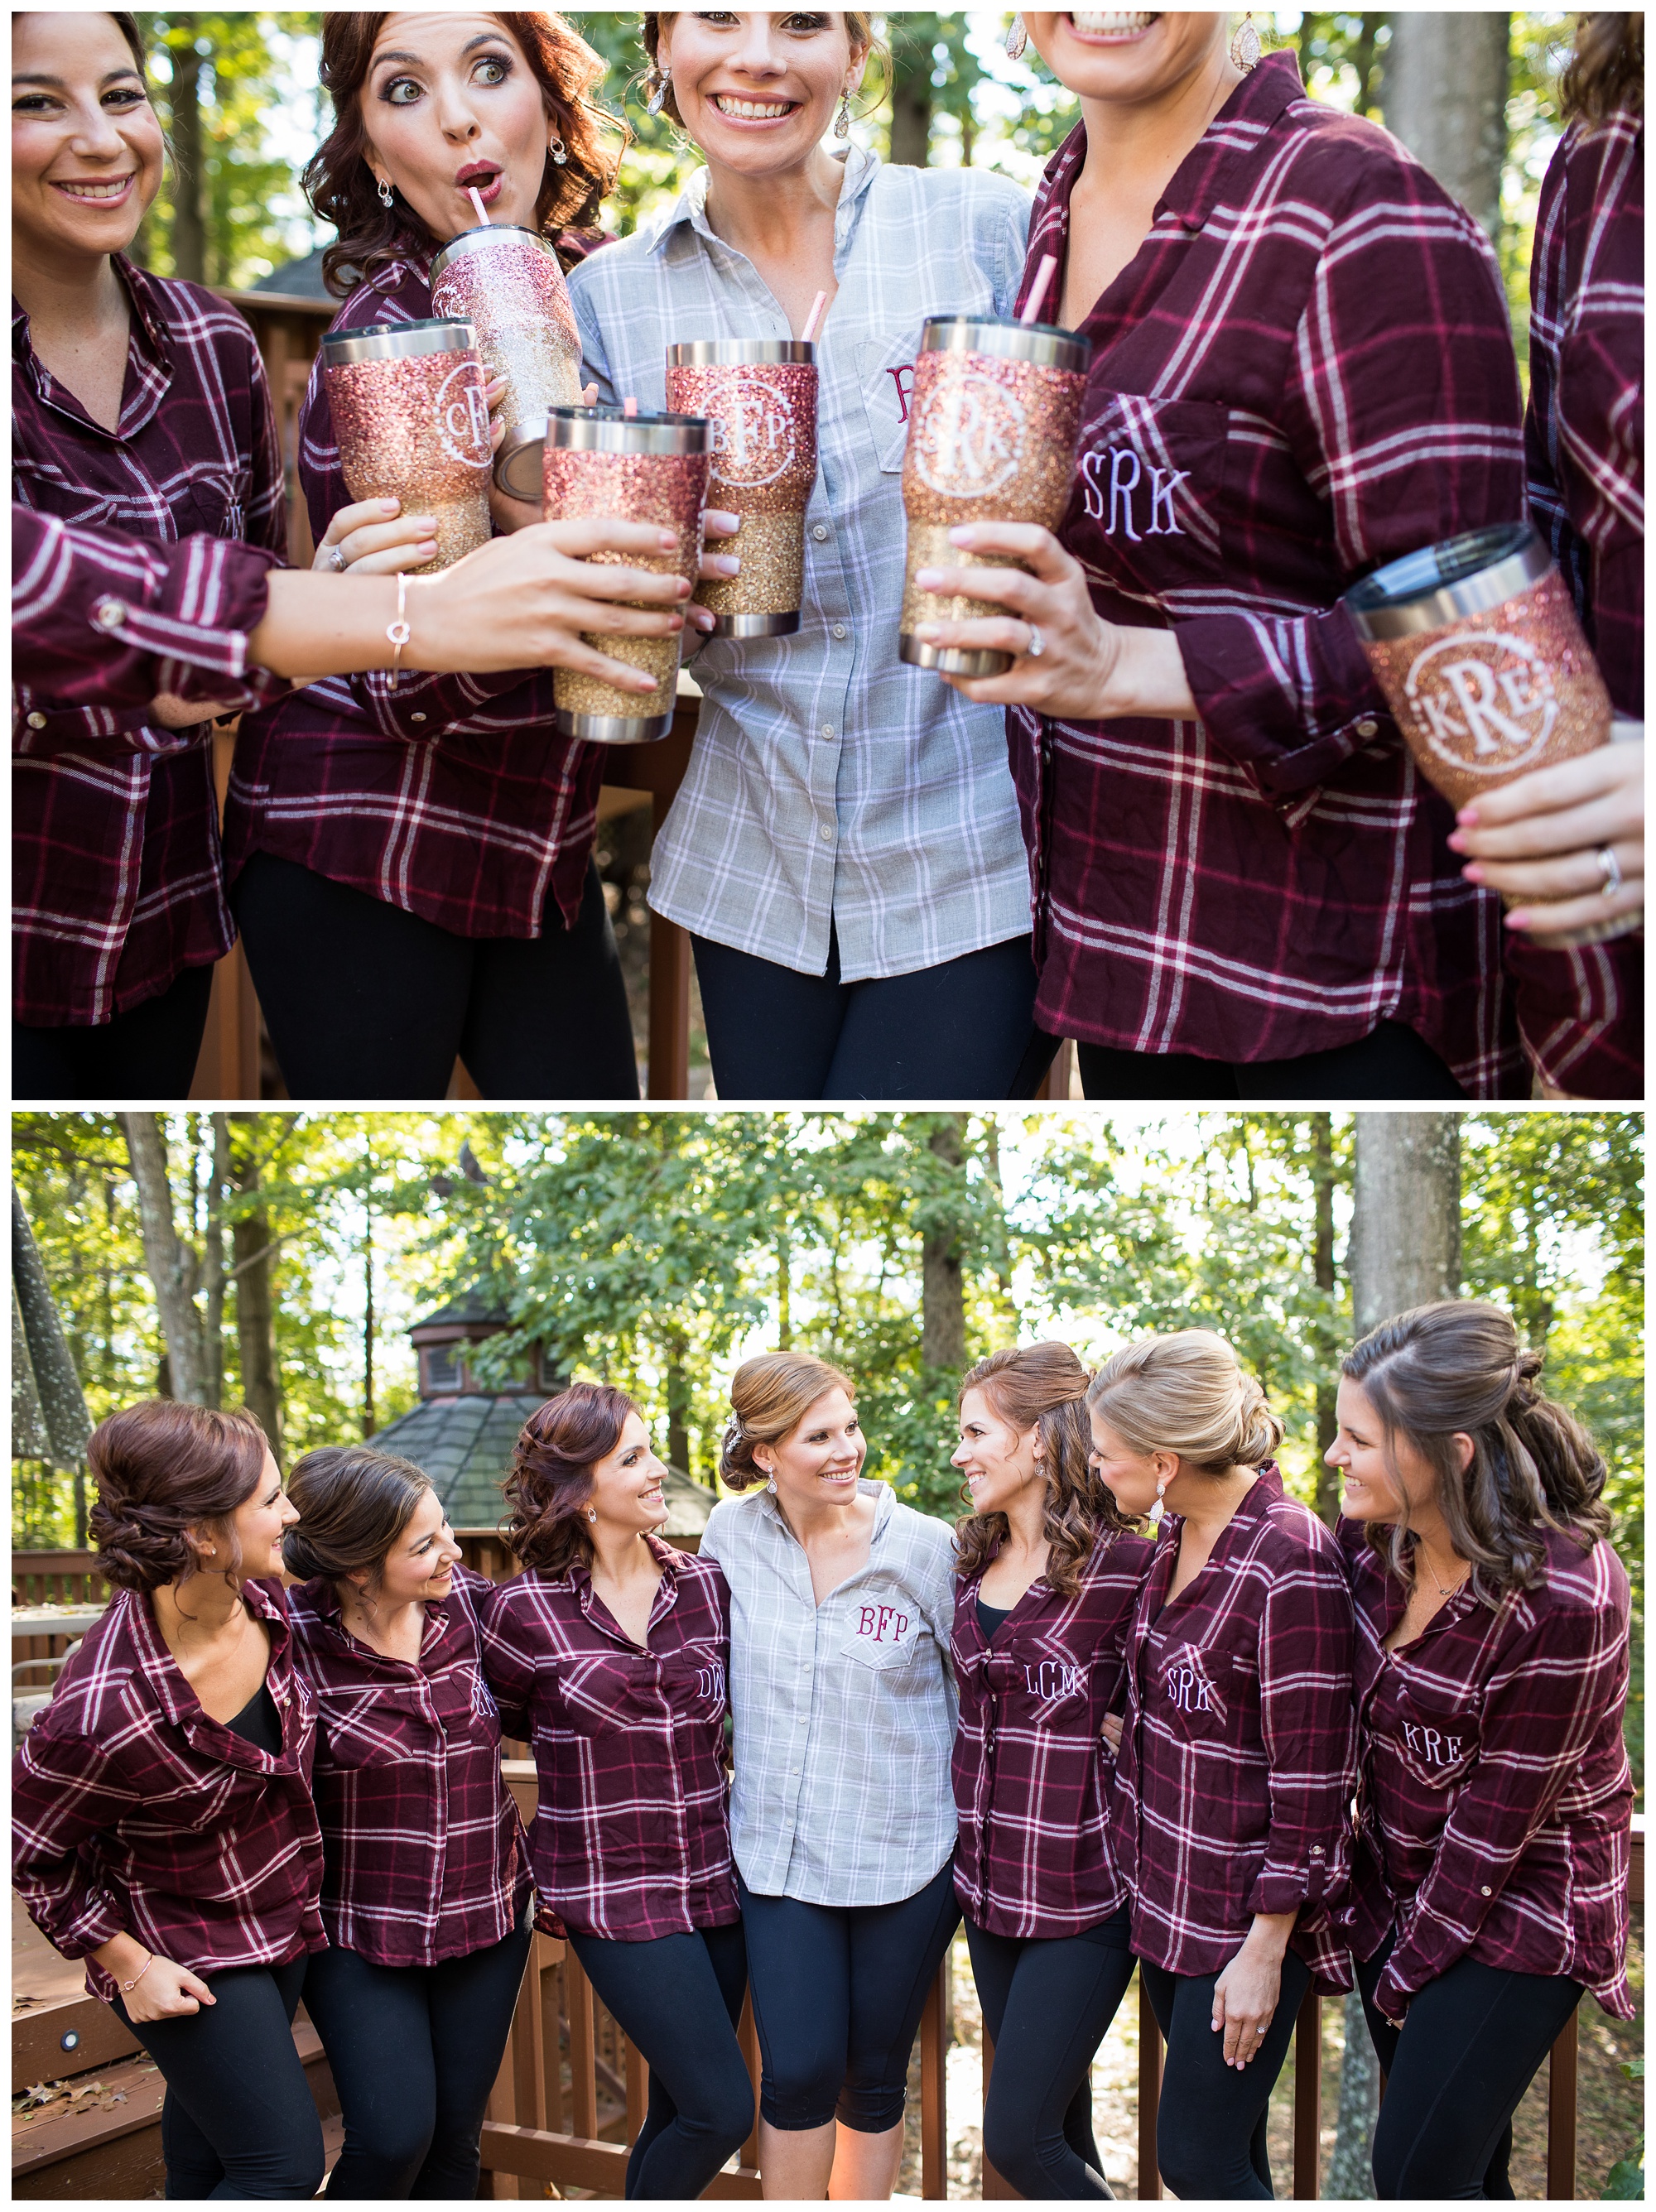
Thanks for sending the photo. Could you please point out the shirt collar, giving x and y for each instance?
(162, 1672)
(321, 1599)
(150, 339)
(884, 1499)
(861, 167)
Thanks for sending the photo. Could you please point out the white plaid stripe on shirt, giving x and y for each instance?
(845, 1711)
(830, 782)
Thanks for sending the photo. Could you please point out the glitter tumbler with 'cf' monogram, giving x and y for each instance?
(1475, 644)
(760, 395)
(993, 420)
(506, 281)
(412, 424)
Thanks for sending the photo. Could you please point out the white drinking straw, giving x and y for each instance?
(1032, 310)
(813, 318)
(476, 199)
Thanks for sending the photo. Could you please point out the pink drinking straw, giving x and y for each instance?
(629, 408)
(1031, 308)
(476, 199)
(813, 318)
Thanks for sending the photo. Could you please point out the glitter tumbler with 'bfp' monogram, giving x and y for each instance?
(993, 420)
(1475, 644)
(412, 424)
(760, 395)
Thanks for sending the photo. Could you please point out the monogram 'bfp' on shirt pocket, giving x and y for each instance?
(885, 369)
(1147, 505)
(884, 1631)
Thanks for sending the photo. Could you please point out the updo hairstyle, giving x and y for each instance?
(1457, 1366)
(770, 1396)
(550, 1477)
(1043, 1387)
(1186, 1394)
(162, 1467)
(354, 1502)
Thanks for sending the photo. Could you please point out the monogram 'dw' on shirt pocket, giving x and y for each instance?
(1147, 511)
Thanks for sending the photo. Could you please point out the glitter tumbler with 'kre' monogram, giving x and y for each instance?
(993, 420)
(412, 424)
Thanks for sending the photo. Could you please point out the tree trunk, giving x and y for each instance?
(172, 1266)
(1405, 1251)
(912, 100)
(677, 1382)
(943, 1295)
(1322, 1268)
(254, 1321)
(213, 1264)
(369, 1424)
(189, 173)
(784, 1293)
(58, 1395)
(1444, 95)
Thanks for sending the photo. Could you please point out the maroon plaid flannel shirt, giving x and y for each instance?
(426, 1856)
(116, 878)
(134, 1814)
(1495, 1801)
(1306, 370)
(1234, 1778)
(631, 1836)
(1032, 1769)
(452, 797)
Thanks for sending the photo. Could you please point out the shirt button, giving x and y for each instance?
(826, 834)
(1316, 1850)
(417, 718)
(1367, 727)
(827, 729)
(840, 630)
(819, 531)
(109, 614)
(37, 721)
(1486, 1891)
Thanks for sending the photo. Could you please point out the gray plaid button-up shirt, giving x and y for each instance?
(830, 783)
(845, 1711)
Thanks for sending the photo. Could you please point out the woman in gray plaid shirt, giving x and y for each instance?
(845, 849)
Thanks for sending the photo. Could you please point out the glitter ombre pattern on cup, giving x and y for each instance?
(506, 281)
(760, 395)
(1475, 644)
(634, 468)
(993, 420)
(412, 424)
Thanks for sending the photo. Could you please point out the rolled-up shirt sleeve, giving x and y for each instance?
(1307, 1719)
(1400, 458)
(63, 1794)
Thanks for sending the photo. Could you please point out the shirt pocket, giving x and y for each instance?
(1193, 1691)
(1436, 1740)
(694, 1680)
(883, 1632)
(1147, 511)
(885, 370)
(361, 1732)
(610, 1695)
(217, 497)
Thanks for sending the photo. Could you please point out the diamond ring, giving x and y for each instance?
(1037, 645)
(1611, 868)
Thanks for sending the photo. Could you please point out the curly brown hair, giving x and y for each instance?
(1458, 1367)
(550, 1477)
(162, 1467)
(340, 187)
(1043, 1387)
(1606, 71)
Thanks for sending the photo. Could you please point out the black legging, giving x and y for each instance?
(149, 1052)
(1455, 2073)
(1391, 1062)
(1210, 2125)
(838, 1995)
(239, 2119)
(415, 2051)
(1047, 2002)
(964, 1029)
(680, 1999)
(364, 1000)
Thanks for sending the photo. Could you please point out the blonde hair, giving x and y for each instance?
(1044, 1385)
(859, 32)
(770, 1397)
(1186, 1394)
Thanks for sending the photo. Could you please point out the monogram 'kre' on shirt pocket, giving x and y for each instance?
(1437, 1742)
(1147, 508)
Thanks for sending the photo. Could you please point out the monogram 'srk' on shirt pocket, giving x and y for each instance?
(1146, 509)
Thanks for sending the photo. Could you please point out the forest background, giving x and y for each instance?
(1472, 92)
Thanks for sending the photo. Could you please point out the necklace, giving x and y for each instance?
(1437, 1586)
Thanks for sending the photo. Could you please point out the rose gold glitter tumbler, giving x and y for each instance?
(410, 416)
(634, 468)
(506, 281)
(760, 395)
(1475, 644)
(993, 420)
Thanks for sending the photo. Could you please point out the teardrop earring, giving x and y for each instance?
(557, 149)
(843, 120)
(661, 82)
(1160, 1506)
(592, 1513)
(386, 195)
(1245, 49)
(1017, 40)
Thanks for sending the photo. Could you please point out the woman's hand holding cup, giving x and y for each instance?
(375, 538)
(1548, 836)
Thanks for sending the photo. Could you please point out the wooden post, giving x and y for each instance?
(995, 2188)
(583, 2079)
(1308, 2097)
(669, 1000)
(637, 2089)
(1055, 1084)
(528, 2054)
(748, 2035)
(548, 1957)
(1149, 2096)
(1561, 2116)
(933, 2087)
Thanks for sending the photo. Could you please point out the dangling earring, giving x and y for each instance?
(592, 1513)
(1159, 1507)
(843, 120)
(660, 84)
(385, 193)
(1017, 40)
(558, 151)
(1244, 46)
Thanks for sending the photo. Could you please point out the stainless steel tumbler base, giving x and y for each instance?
(784, 625)
(950, 660)
(613, 729)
